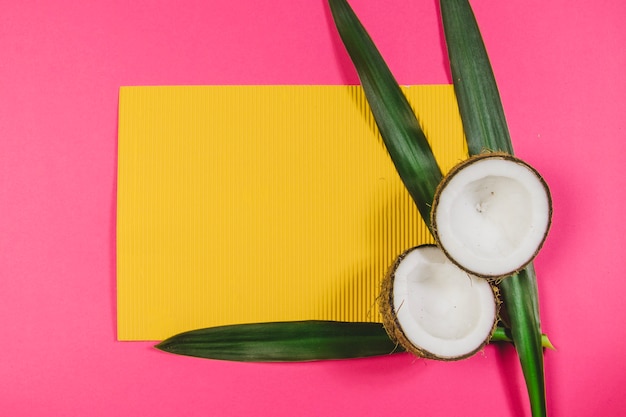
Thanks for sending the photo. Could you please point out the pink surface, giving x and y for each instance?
(560, 68)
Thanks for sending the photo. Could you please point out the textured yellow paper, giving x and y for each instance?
(241, 204)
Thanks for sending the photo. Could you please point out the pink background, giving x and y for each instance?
(560, 66)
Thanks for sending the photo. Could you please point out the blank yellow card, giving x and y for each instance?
(242, 204)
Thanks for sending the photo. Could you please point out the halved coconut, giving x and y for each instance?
(491, 214)
(435, 309)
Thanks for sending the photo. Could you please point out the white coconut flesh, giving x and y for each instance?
(441, 309)
(492, 215)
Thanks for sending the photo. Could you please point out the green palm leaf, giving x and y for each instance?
(404, 139)
(476, 91)
(292, 341)
(485, 128)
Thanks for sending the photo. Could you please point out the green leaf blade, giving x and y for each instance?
(516, 293)
(404, 139)
(480, 106)
(292, 341)
(486, 129)
(297, 341)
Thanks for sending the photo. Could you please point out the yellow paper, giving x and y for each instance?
(243, 204)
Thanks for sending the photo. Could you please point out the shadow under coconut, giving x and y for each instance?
(391, 226)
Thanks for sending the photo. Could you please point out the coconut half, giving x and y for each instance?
(435, 309)
(491, 214)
